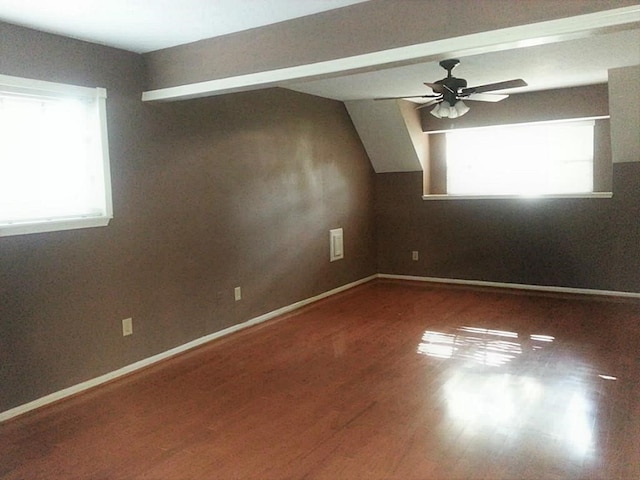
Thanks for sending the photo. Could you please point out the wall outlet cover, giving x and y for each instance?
(127, 327)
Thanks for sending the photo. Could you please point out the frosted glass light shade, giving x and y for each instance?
(461, 108)
(446, 110)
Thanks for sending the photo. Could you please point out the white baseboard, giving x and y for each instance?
(94, 382)
(516, 286)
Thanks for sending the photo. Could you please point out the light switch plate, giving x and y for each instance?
(336, 244)
(127, 327)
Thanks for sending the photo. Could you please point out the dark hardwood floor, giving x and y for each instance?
(390, 380)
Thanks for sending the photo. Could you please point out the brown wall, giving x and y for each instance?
(585, 243)
(242, 190)
(239, 190)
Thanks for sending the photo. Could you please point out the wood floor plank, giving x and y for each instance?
(388, 380)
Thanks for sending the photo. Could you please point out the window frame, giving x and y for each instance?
(97, 98)
(435, 186)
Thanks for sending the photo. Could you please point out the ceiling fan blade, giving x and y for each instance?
(436, 87)
(485, 97)
(428, 104)
(495, 86)
(408, 96)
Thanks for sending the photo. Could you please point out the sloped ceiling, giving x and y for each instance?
(383, 130)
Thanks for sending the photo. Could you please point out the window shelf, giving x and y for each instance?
(516, 197)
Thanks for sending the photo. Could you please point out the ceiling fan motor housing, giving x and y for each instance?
(451, 84)
(452, 87)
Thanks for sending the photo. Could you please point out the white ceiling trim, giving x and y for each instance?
(484, 42)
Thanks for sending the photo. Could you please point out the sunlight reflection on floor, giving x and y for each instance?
(484, 398)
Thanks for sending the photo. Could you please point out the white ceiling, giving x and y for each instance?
(148, 25)
(145, 25)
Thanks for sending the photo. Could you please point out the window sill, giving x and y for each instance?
(447, 196)
(7, 230)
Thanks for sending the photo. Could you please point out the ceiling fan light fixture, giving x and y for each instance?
(442, 110)
(446, 110)
(461, 108)
(436, 111)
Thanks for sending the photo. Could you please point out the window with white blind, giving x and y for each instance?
(535, 159)
(560, 158)
(54, 164)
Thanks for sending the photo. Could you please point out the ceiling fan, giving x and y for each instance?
(450, 91)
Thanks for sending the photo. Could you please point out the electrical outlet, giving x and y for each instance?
(127, 327)
(237, 293)
(414, 255)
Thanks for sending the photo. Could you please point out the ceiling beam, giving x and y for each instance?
(520, 36)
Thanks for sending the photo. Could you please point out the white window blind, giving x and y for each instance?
(535, 159)
(54, 167)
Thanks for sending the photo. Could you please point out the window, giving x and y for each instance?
(54, 165)
(560, 158)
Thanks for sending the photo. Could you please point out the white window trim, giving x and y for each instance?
(52, 89)
(447, 196)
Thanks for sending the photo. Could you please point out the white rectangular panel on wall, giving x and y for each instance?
(336, 244)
